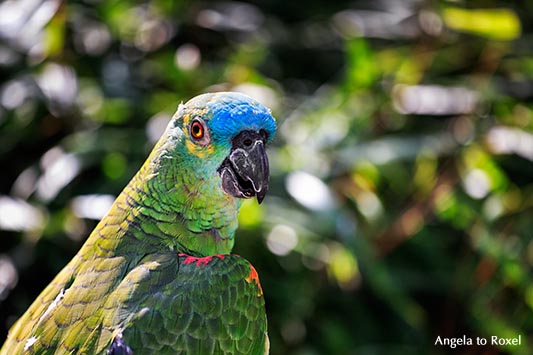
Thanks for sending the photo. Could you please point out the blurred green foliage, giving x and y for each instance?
(402, 174)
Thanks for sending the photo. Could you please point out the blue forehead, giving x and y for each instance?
(228, 113)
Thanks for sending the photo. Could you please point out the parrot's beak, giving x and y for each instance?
(245, 171)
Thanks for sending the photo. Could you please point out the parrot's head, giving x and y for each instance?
(224, 136)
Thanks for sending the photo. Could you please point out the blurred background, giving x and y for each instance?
(401, 201)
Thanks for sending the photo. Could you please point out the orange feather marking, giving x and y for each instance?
(255, 278)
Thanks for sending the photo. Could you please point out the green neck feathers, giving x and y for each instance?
(170, 204)
(185, 204)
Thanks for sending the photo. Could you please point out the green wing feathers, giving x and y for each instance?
(221, 312)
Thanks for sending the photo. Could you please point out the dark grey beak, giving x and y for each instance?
(245, 171)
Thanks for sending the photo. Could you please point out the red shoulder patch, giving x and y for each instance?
(203, 261)
(254, 277)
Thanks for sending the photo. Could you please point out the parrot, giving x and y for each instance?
(156, 275)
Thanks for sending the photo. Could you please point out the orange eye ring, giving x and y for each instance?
(197, 130)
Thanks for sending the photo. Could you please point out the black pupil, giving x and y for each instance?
(196, 129)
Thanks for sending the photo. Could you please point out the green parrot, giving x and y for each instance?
(157, 276)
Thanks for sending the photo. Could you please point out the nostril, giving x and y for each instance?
(248, 139)
(247, 142)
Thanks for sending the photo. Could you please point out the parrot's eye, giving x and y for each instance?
(197, 130)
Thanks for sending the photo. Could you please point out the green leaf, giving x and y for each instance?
(500, 24)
